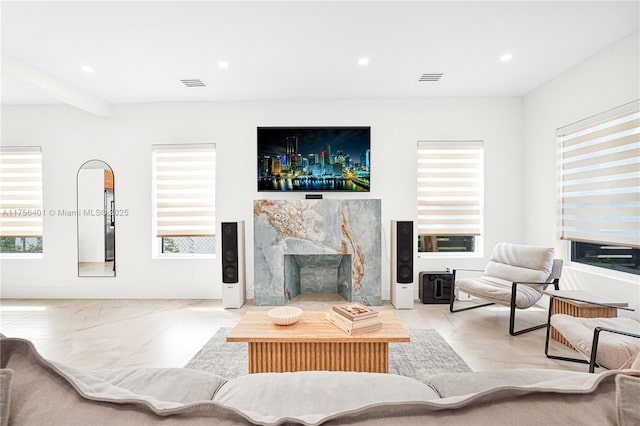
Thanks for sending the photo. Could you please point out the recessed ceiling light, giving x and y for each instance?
(223, 64)
(87, 68)
(363, 62)
(506, 57)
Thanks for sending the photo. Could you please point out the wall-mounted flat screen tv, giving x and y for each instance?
(314, 159)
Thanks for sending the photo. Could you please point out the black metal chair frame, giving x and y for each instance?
(596, 334)
(512, 304)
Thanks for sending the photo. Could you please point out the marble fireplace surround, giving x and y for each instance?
(286, 228)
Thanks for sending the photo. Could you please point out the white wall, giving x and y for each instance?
(520, 198)
(70, 137)
(606, 80)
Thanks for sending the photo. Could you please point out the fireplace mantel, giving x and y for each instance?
(302, 227)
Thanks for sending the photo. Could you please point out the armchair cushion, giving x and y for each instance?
(523, 263)
(614, 350)
(499, 290)
(512, 263)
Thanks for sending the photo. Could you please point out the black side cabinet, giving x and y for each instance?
(435, 287)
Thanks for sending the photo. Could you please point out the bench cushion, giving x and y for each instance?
(614, 350)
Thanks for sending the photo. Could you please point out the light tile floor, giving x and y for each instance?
(96, 269)
(93, 333)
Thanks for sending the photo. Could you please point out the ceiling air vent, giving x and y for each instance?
(430, 77)
(193, 82)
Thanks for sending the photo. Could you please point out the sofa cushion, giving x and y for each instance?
(315, 395)
(584, 398)
(627, 392)
(449, 385)
(44, 394)
(170, 385)
(6, 376)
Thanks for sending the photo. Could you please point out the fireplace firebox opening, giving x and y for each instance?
(317, 273)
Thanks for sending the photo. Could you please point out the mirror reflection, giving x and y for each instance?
(96, 220)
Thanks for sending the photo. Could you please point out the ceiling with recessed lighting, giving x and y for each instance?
(246, 51)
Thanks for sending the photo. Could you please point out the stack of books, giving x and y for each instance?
(354, 318)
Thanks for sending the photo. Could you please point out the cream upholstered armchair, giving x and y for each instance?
(611, 343)
(516, 275)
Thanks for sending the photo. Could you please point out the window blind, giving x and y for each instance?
(184, 195)
(450, 187)
(21, 192)
(600, 178)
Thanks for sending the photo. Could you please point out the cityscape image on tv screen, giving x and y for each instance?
(314, 158)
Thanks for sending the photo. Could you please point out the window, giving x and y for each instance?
(21, 210)
(450, 196)
(184, 199)
(625, 259)
(600, 188)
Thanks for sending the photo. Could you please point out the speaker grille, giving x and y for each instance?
(230, 274)
(404, 250)
(229, 252)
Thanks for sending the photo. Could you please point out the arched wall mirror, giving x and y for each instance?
(96, 220)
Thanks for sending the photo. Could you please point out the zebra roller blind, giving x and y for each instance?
(600, 178)
(21, 209)
(184, 190)
(450, 187)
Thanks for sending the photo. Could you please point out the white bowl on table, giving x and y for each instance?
(285, 315)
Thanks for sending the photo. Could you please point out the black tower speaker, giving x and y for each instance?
(404, 250)
(229, 252)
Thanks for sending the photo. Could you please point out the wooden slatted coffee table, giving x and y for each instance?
(313, 343)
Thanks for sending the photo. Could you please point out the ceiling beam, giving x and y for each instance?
(16, 69)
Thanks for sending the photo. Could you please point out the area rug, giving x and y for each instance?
(427, 354)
